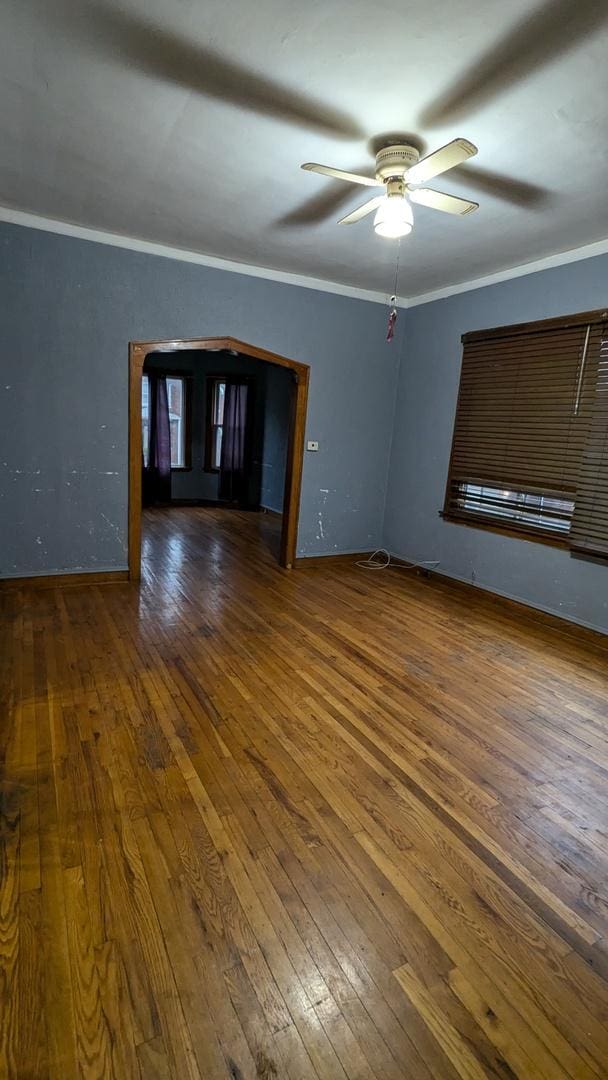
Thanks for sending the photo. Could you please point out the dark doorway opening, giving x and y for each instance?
(207, 383)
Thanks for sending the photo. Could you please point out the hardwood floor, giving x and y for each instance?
(327, 823)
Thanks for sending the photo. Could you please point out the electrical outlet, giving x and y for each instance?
(312, 444)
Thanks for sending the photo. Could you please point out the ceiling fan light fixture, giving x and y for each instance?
(394, 217)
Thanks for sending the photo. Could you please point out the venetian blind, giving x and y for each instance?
(590, 525)
(528, 427)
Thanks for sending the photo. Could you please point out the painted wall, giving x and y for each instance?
(543, 576)
(276, 428)
(68, 309)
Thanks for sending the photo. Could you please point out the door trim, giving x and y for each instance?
(138, 350)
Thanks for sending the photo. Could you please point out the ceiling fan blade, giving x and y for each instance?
(536, 40)
(340, 174)
(454, 153)
(362, 211)
(438, 200)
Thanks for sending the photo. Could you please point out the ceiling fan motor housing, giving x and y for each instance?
(395, 161)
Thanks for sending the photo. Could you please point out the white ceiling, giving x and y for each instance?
(185, 123)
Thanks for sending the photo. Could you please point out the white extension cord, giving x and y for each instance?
(372, 563)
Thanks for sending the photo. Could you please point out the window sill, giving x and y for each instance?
(507, 530)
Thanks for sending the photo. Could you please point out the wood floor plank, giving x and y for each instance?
(463, 1058)
(9, 927)
(93, 1038)
(319, 825)
(31, 1037)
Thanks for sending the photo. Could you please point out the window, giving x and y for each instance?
(215, 422)
(145, 418)
(177, 400)
(552, 512)
(530, 445)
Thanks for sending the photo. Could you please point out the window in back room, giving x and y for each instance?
(176, 399)
(215, 423)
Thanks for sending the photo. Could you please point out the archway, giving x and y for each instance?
(138, 350)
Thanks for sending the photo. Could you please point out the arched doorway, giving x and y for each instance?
(138, 350)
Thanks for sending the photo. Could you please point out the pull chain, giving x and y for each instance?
(392, 315)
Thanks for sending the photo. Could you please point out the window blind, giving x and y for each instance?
(590, 524)
(529, 447)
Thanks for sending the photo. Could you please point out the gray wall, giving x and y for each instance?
(543, 576)
(276, 427)
(68, 309)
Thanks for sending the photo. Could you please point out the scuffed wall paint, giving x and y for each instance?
(68, 309)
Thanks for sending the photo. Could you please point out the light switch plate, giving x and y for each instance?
(312, 444)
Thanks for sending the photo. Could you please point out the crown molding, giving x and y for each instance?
(147, 247)
(549, 262)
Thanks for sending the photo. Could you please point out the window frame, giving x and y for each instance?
(233, 377)
(186, 378)
(510, 527)
(210, 426)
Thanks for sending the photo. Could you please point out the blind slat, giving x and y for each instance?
(590, 524)
(531, 427)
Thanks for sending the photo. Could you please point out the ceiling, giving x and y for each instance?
(185, 123)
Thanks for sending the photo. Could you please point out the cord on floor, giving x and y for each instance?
(373, 563)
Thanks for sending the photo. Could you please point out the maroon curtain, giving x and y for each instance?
(157, 473)
(233, 465)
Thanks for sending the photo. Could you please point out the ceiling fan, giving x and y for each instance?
(399, 170)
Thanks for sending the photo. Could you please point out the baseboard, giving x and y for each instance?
(349, 557)
(278, 514)
(60, 581)
(542, 614)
